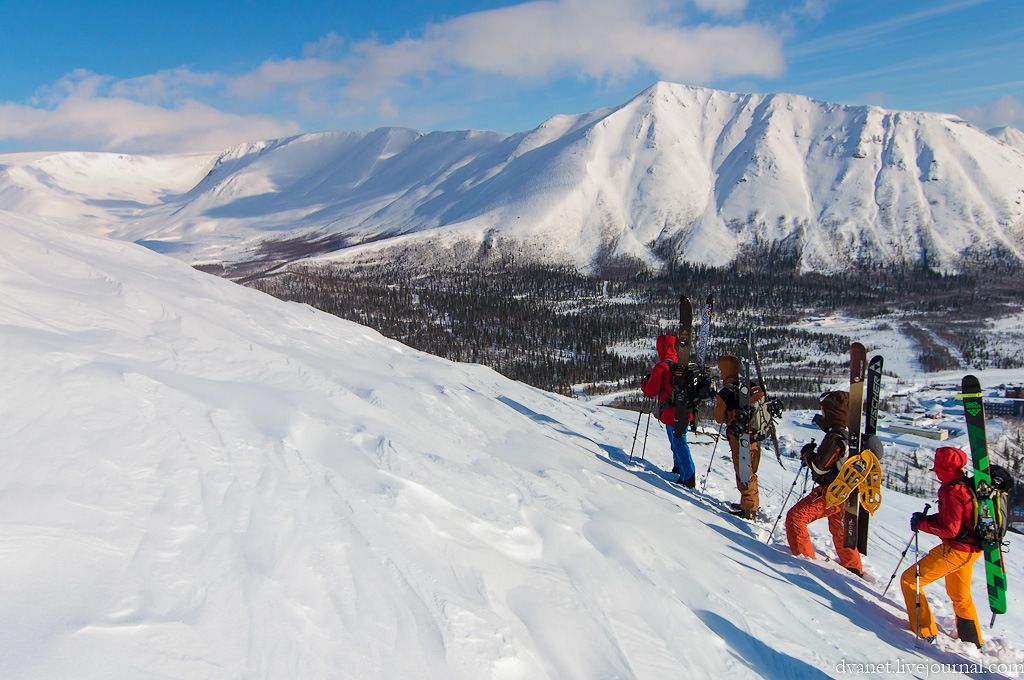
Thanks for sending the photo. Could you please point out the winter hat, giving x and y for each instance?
(729, 367)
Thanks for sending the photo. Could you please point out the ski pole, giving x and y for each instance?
(901, 557)
(791, 487)
(917, 586)
(898, 565)
(917, 582)
(647, 428)
(713, 449)
(807, 478)
(640, 415)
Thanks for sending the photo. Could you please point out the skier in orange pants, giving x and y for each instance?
(726, 406)
(953, 559)
(824, 463)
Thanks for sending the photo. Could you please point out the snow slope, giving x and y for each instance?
(203, 482)
(677, 172)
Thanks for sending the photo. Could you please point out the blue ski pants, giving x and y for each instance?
(681, 457)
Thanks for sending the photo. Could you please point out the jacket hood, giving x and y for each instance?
(835, 409)
(949, 463)
(666, 345)
(729, 367)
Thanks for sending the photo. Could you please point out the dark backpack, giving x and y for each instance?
(693, 383)
(999, 491)
(759, 415)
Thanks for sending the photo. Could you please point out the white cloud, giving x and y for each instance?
(811, 9)
(877, 97)
(862, 35)
(723, 7)
(329, 47)
(125, 125)
(1007, 110)
(539, 41)
(387, 109)
(163, 86)
(599, 39)
(275, 74)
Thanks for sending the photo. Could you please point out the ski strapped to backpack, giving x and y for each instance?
(851, 507)
(690, 380)
(741, 421)
(983, 482)
(871, 405)
(705, 330)
(770, 409)
(679, 370)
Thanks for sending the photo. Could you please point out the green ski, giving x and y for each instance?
(995, 571)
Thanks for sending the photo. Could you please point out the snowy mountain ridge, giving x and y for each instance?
(678, 172)
(1009, 135)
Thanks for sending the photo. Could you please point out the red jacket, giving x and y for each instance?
(659, 382)
(956, 503)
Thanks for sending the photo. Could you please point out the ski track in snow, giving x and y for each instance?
(203, 482)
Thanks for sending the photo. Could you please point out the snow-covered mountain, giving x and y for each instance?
(200, 481)
(678, 172)
(1009, 135)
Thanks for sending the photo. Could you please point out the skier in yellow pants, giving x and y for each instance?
(954, 559)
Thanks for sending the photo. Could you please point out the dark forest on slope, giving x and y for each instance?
(559, 330)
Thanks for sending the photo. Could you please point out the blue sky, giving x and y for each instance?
(182, 76)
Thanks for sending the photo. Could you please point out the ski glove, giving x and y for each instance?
(916, 519)
(807, 451)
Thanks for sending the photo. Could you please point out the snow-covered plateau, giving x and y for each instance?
(679, 172)
(201, 481)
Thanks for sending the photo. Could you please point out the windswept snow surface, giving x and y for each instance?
(203, 482)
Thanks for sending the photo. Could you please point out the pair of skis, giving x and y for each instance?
(995, 570)
(855, 516)
(748, 353)
(682, 373)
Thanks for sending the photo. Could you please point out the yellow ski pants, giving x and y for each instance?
(958, 567)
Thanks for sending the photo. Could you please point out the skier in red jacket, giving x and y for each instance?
(954, 558)
(659, 384)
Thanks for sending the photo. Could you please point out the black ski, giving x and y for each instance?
(858, 367)
(681, 371)
(760, 380)
(874, 394)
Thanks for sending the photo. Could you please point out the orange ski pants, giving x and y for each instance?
(958, 567)
(810, 509)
